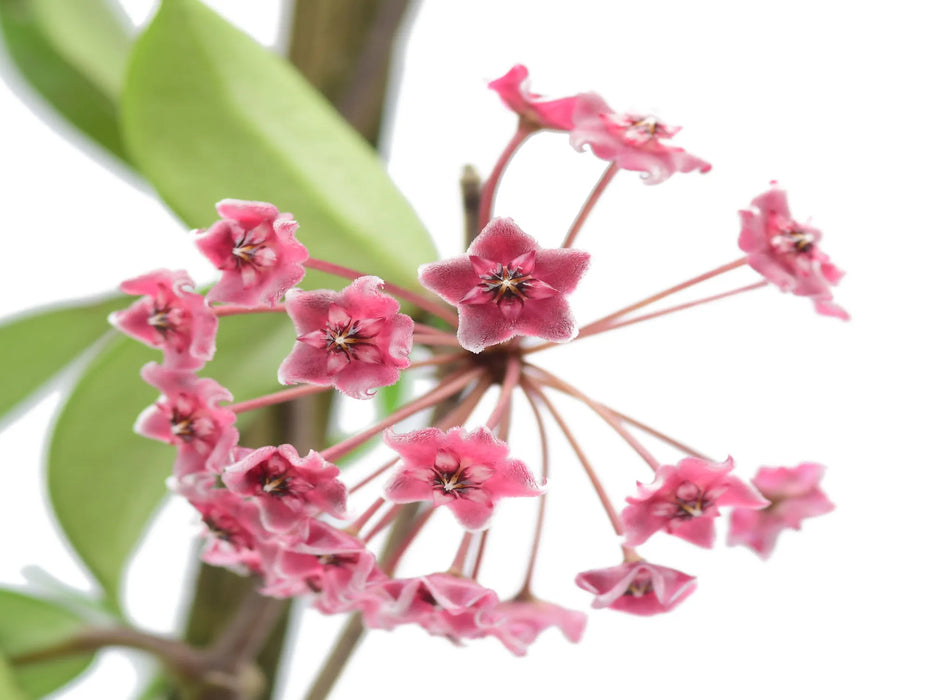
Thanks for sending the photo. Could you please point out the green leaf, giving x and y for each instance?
(105, 482)
(34, 348)
(208, 114)
(29, 625)
(74, 53)
(9, 689)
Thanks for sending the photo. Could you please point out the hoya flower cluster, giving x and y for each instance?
(287, 518)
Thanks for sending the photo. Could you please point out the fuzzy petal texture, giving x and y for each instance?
(632, 141)
(787, 253)
(637, 587)
(170, 317)
(795, 495)
(354, 340)
(290, 490)
(506, 285)
(530, 108)
(465, 471)
(683, 500)
(255, 248)
(187, 415)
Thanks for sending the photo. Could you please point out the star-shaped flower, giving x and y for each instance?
(507, 285)
(355, 339)
(631, 141)
(466, 471)
(171, 316)
(794, 493)
(684, 499)
(787, 253)
(188, 416)
(254, 247)
(288, 489)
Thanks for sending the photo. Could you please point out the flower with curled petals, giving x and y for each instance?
(443, 604)
(355, 339)
(787, 253)
(533, 112)
(287, 488)
(507, 285)
(187, 415)
(631, 141)
(517, 623)
(684, 499)
(637, 587)
(794, 493)
(466, 471)
(254, 247)
(171, 316)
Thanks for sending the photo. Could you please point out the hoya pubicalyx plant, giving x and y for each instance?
(295, 523)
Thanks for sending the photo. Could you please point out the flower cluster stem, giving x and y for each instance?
(525, 591)
(448, 387)
(492, 182)
(432, 307)
(594, 196)
(278, 397)
(536, 389)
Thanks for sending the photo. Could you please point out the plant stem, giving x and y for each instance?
(595, 326)
(432, 307)
(236, 309)
(448, 388)
(525, 591)
(278, 397)
(492, 182)
(688, 305)
(594, 196)
(538, 391)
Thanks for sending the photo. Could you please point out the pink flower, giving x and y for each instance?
(631, 141)
(507, 285)
(467, 471)
(517, 623)
(254, 246)
(336, 581)
(355, 339)
(530, 108)
(794, 493)
(288, 489)
(443, 604)
(187, 415)
(786, 252)
(233, 530)
(684, 499)
(171, 317)
(637, 587)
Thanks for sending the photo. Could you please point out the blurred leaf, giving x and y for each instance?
(9, 690)
(27, 625)
(208, 114)
(73, 53)
(37, 346)
(105, 481)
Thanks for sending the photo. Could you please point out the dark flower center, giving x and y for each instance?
(640, 586)
(274, 482)
(245, 253)
(792, 240)
(506, 283)
(343, 337)
(452, 482)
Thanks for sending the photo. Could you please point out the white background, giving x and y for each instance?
(830, 98)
